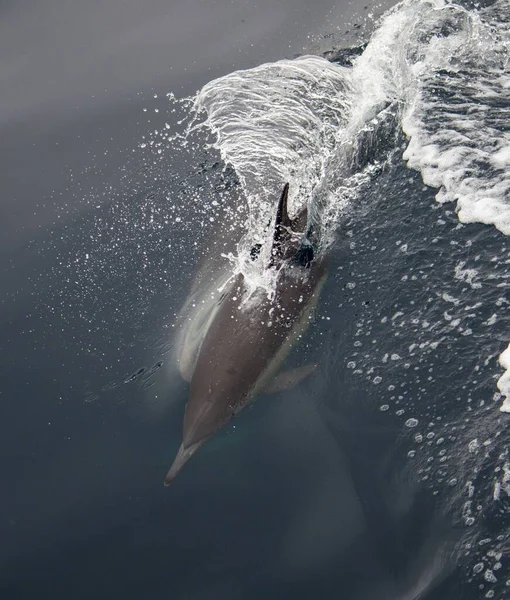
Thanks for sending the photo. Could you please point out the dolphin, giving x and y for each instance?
(234, 344)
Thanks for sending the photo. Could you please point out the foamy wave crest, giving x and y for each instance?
(504, 380)
(298, 121)
(458, 123)
(276, 123)
(447, 67)
(457, 120)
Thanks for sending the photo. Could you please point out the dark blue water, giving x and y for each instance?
(377, 477)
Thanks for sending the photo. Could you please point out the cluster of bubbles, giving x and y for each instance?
(127, 256)
(429, 297)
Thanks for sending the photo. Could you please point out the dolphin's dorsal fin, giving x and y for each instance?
(282, 215)
(284, 226)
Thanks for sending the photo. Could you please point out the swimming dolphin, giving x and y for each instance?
(234, 345)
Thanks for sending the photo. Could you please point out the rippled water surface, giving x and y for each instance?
(385, 474)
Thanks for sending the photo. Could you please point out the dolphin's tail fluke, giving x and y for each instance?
(180, 460)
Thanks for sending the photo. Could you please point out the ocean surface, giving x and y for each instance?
(130, 136)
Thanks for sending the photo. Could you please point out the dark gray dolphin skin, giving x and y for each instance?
(245, 343)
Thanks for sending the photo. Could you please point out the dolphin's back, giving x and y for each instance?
(238, 349)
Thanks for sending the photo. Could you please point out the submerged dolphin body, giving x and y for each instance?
(234, 346)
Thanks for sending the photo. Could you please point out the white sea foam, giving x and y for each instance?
(448, 70)
(277, 123)
(456, 123)
(504, 380)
